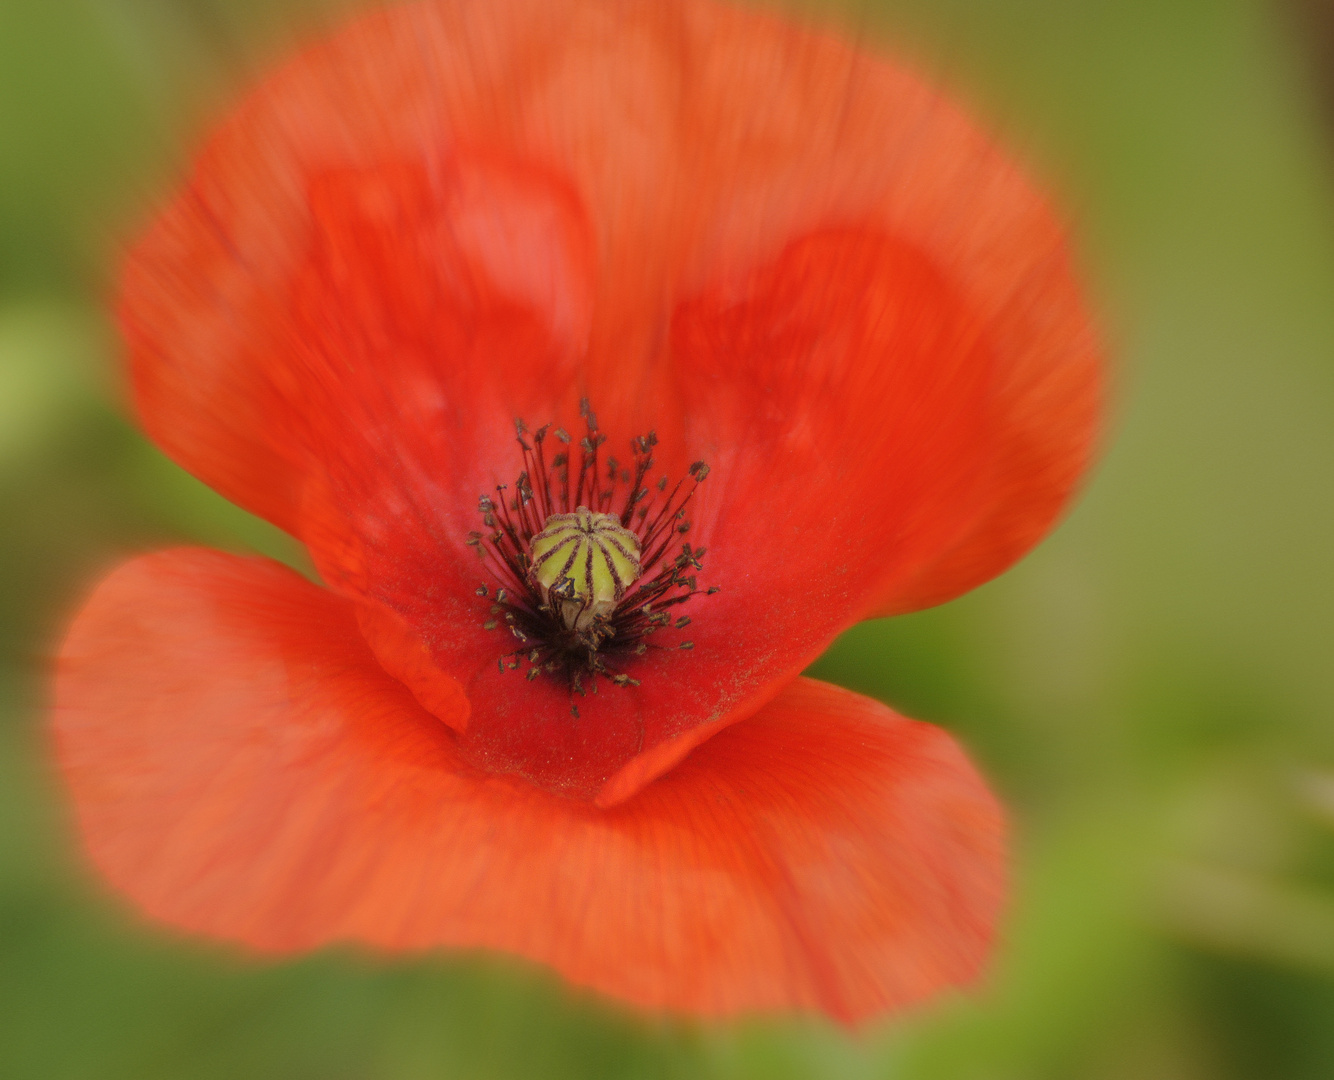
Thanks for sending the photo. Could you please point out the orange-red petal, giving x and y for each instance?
(805, 137)
(241, 767)
(875, 448)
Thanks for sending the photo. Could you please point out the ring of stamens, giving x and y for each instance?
(581, 556)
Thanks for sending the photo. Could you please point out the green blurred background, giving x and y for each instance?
(1152, 690)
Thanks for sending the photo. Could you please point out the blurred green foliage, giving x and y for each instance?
(1152, 690)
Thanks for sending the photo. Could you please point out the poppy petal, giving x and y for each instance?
(874, 448)
(846, 390)
(243, 768)
(796, 137)
(374, 328)
(419, 125)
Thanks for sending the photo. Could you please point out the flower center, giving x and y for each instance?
(581, 552)
(583, 563)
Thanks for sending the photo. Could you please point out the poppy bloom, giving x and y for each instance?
(609, 359)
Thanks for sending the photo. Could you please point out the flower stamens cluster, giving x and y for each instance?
(579, 553)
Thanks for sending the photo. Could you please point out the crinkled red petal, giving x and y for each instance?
(242, 767)
(872, 447)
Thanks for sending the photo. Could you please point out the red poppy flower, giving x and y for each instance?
(833, 342)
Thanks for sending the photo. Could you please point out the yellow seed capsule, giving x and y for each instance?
(583, 563)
